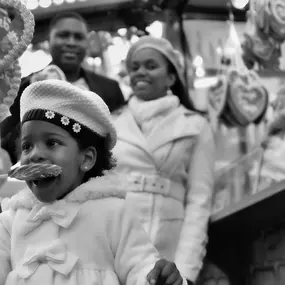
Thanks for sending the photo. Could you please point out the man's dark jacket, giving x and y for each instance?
(108, 89)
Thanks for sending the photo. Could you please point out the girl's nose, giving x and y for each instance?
(37, 155)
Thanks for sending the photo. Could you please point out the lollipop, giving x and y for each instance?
(36, 171)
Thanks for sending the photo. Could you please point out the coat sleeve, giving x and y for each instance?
(5, 246)
(135, 256)
(118, 100)
(193, 238)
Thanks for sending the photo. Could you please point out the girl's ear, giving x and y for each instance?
(89, 158)
(171, 79)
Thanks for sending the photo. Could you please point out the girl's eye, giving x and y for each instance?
(26, 147)
(52, 143)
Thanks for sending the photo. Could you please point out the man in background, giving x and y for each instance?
(68, 43)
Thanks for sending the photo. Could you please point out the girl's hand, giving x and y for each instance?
(164, 273)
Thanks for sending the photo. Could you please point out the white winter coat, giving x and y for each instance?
(169, 177)
(88, 238)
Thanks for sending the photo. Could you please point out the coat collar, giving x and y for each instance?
(128, 130)
(105, 186)
(180, 123)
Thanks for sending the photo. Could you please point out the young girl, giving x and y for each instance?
(73, 228)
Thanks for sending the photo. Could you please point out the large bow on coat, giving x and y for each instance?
(60, 212)
(55, 255)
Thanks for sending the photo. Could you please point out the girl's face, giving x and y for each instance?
(44, 142)
(149, 74)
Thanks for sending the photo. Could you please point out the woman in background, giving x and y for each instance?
(165, 153)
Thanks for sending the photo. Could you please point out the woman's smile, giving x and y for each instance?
(141, 83)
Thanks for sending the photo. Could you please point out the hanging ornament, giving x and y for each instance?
(258, 47)
(246, 98)
(265, 32)
(275, 11)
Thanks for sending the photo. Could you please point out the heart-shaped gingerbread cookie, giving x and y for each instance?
(218, 94)
(16, 32)
(10, 81)
(247, 96)
(276, 11)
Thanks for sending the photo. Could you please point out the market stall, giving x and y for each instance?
(239, 85)
(246, 233)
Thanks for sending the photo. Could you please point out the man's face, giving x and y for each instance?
(68, 43)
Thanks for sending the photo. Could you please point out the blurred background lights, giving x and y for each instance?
(155, 29)
(122, 32)
(200, 72)
(198, 61)
(240, 4)
(32, 4)
(45, 3)
(58, 2)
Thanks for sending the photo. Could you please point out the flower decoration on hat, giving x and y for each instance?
(15, 35)
(49, 115)
(65, 121)
(76, 128)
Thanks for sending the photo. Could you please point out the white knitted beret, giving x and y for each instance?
(77, 111)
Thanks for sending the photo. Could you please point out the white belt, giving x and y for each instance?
(155, 184)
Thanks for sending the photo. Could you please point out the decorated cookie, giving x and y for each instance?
(247, 97)
(277, 18)
(14, 42)
(15, 36)
(10, 81)
(218, 94)
(260, 45)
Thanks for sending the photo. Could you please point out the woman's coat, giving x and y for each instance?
(169, 176)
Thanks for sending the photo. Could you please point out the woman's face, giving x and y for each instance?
(44, 142)
(149, 75)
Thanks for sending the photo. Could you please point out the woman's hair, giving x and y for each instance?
(104, 160)
(180, 90)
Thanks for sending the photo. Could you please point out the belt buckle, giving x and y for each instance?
(164, 185)
(140, 181)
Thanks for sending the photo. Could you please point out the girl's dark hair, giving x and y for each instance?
(104, 161)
